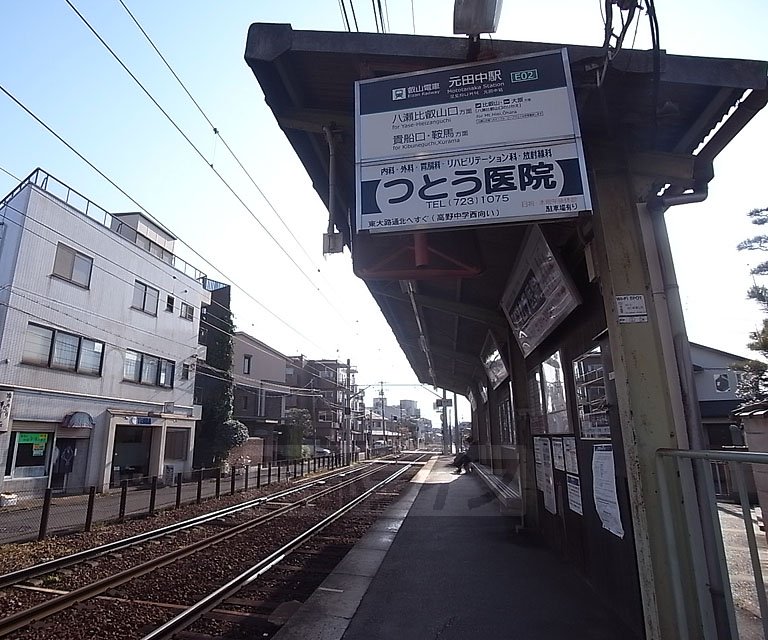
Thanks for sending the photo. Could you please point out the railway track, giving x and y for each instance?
(176, 555)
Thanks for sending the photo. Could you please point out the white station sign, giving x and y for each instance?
(475, 144)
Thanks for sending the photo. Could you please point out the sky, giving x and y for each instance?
(293, 298)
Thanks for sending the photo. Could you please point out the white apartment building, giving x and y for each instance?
(99, 325)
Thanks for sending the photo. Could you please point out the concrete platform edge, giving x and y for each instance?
(327, 612)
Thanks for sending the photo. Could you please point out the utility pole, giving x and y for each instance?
(348, 413)
(381, 413)
(446, 427)
(456, 432)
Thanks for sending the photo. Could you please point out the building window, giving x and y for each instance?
(187, 311)
(170, 302)
(72, 265)
(185, 371)
(245, 401)
(28, 454)
(247, 365)
(60, 350)
(176, 444)
(148, 370)
(145, 298)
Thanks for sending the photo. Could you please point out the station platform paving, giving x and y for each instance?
(443, 563)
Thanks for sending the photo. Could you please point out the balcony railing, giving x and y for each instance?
(723, 539)
(60, 191)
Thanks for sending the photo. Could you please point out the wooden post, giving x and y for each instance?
(89, 510)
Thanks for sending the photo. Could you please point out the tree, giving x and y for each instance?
(753, 381)
(232, 433)
(211, 437)
(298, 425)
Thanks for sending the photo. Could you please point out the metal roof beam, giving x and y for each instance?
(466, 311)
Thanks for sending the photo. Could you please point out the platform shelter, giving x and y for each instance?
(559, 317)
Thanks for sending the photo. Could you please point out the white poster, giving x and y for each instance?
(604, 489)
(548, 476)
(574, 494)
(571, 461)
(557, 452)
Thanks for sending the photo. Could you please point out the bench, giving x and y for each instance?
(508, 496)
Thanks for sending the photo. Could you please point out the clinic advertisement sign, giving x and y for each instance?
(474, 144)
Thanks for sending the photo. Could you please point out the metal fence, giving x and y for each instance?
(30, 515)
(713, 493)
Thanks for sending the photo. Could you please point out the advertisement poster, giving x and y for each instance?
(558, 454)
(604, 489)
(574, 494)
(571, 461)
(539, 294)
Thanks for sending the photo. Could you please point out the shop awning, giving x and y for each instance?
(78, 420)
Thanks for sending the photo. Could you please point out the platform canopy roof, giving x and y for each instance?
(661, 108)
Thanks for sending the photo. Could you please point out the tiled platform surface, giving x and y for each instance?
(444, 564)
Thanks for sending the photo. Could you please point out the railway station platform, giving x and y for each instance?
(444, 563)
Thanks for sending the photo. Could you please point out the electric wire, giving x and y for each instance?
(145, 211)
(203, 158)
(354, 14)
(136, 250)
(375, 16)
(217, 134)
(413, 17)
(344, 16)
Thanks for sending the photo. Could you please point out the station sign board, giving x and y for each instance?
(474, 144)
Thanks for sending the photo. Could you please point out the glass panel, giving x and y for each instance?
(150, 303)
(90, 356)
(149, 370)
(81, 270)
(554, 395)
(166, 373)
(65, 351)
(37, 345)
(169, 303)
(31, 454)
(589, 378)
(538, 424)
(62, 264)
(132, 366)
(138, 295)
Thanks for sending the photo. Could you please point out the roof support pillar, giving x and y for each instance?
(646, 391)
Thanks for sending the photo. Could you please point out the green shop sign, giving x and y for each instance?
(33, 438)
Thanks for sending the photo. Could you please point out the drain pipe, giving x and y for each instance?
(691, 410)
(331, 176)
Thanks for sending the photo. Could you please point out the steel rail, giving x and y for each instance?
(43, 610)
(20, 575)
(212, 600)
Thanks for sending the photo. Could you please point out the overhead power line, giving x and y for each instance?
(217, 132)
(146, 212)
(139, 252)
(202, 156)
